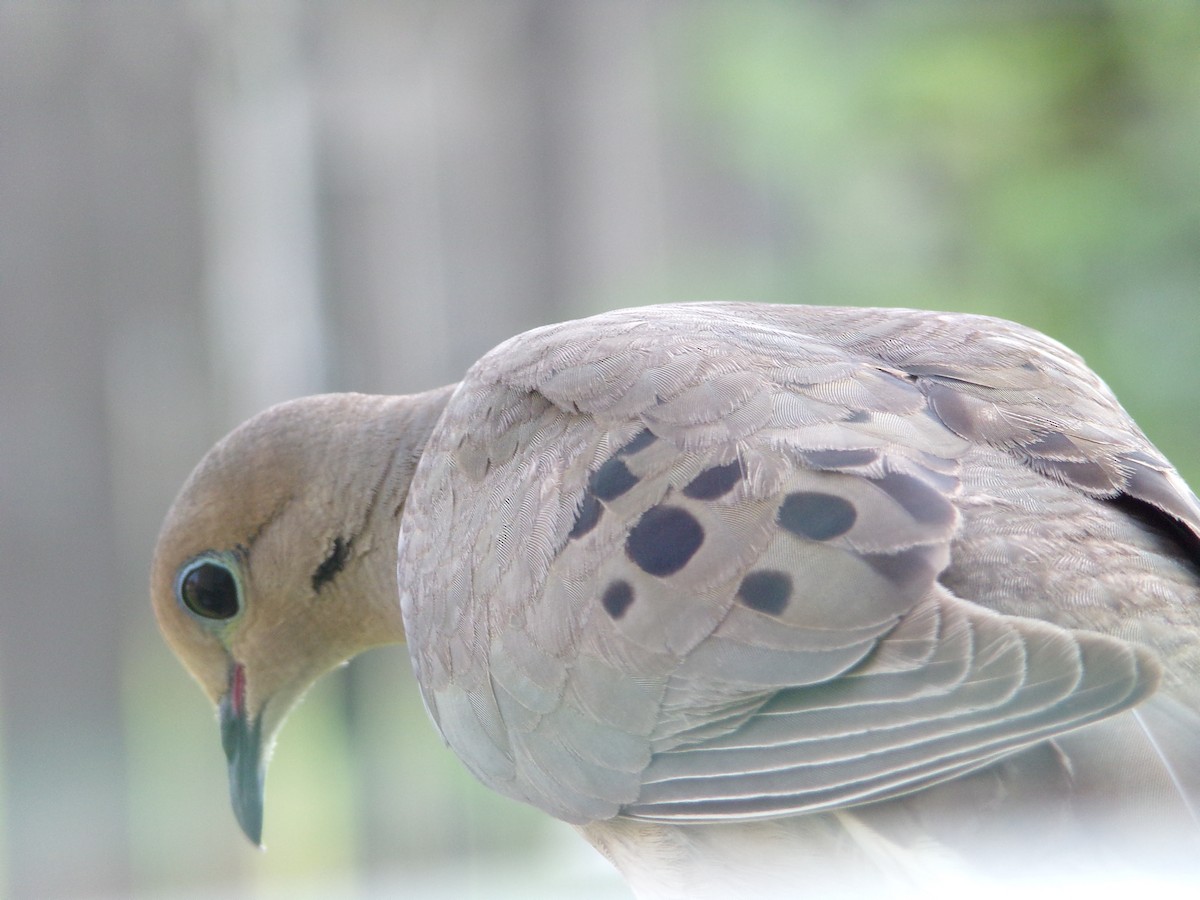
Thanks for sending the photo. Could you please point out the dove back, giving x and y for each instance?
(743, 589)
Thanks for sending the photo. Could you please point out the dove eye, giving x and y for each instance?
(208, 588)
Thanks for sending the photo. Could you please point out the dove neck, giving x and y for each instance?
(406, 422)
(409, 421)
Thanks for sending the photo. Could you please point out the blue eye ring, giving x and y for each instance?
(209, 588)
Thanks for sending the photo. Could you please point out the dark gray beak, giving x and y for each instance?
(242, 739)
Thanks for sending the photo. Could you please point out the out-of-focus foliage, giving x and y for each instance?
(1031, 160)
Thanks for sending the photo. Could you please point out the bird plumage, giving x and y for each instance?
(740, 589)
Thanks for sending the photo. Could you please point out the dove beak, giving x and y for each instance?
(241, 736)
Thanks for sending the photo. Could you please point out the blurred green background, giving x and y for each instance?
(208, 207)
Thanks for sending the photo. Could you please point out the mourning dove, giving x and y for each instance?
(743, 592)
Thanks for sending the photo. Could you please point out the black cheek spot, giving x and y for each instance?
(641, 441)
(766, 591)
(816, 516)
(587, 517)
(664, 539)
(333, 563)
(612, 480)
(617, 598)
(715, 482)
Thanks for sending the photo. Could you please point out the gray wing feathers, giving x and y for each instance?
(992, 686)
(682, 563)
(1169, 730)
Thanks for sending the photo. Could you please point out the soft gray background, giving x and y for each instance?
(208, 207)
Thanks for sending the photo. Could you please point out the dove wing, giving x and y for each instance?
(681, 563)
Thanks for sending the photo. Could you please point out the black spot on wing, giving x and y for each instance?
(332, 564)
(954, 411)
(925, 504)
(587, 517)
(611, 480)
(715, 482)
(858, 417)
(840, 459)
(1154, 487)
(815, 515)
(1142, 457)
(641, 441)
(1053, 444)
(617, 598)
(1087, 475)
(1150, 499)
(907, 569)
(766, 591)
(664, 539)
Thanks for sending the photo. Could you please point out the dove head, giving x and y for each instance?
(277, 561)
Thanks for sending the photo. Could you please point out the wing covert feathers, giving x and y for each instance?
(688, 563)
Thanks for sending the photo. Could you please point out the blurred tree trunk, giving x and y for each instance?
(211, 207)
(98, 244)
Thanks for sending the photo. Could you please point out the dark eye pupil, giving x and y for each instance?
(210, 591)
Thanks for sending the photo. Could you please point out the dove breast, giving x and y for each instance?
(721, 562)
